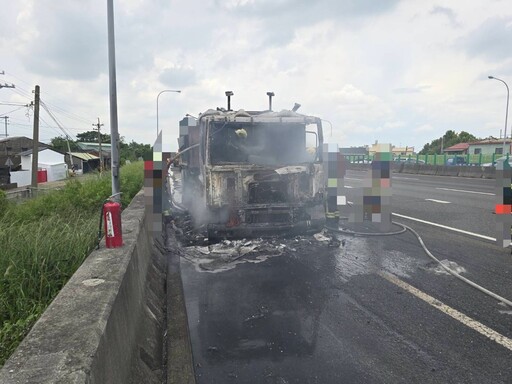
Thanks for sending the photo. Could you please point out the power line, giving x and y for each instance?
(24, 93)
(28, 93)
(13, 122)
(15, 104)
(45, 107)
(50, 127)
(14, 110)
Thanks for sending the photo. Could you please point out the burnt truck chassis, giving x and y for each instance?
(255, 194)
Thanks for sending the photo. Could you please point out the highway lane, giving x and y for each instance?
(319, 314)
(462, 203)
(371, 310)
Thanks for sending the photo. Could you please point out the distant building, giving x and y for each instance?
(402, 151)
(94, 149)
(489, 146)
(396, 151)
(83, 162)
(355, 154)
(457, 149)
(354, 151)
(11, 147)
(49, 161)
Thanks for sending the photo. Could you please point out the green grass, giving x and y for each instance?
(44, 241)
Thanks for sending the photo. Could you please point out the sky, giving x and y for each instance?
(398, 72)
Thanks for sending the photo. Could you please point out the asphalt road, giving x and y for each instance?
(462, 203)
(368, 310)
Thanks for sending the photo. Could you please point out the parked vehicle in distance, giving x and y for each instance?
(493, 164)
(457, 160)
(410, 160)
(361, 161)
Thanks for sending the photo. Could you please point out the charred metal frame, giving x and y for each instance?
(245, 199)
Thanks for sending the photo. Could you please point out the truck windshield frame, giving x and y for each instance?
(260, 143)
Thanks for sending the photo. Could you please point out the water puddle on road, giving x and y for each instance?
(506, 309)
(440, 270)
(360, 256)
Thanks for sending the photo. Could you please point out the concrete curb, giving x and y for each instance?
(180, 366)
(91, 332)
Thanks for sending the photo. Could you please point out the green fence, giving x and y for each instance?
(480, 159)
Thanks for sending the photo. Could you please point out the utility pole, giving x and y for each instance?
(98, 126)
(35, 144)
(5, 118)
(5, 85)
(114, 132)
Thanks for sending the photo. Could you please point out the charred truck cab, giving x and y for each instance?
(253, 173)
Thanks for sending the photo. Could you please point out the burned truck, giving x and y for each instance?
(253, 173)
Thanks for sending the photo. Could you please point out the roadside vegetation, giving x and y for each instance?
(42, 243)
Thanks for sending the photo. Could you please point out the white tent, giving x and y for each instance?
(48, 159)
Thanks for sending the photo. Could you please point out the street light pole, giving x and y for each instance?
(506, 113)
(165, 90)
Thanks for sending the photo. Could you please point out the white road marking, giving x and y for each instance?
(446, 227)
(403, 178)
(464, 191)
(348, 186)
(459, 316)
(438, 201)
(351, 178)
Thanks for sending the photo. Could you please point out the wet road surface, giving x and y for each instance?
(305, 311)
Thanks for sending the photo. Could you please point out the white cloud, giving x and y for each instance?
(490, 39)
(390, 71)
(424, 128)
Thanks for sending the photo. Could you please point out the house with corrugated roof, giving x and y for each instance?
(490, 146)
(94, 149)
(83, 162)
(457, 149)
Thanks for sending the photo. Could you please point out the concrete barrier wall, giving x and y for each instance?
(426, 169)
(97, 329)
(471, 171)
(489, 172)
(447, 170)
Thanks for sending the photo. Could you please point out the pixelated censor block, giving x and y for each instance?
(374, 203)
(503, 203)
(155, 171)
(334, 170)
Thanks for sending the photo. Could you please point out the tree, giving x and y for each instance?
(447, 140)
(92, 137)
(133, 151)
(60, 144)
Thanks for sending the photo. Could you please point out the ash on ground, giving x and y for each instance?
(226, 254)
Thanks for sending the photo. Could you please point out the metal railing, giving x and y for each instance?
(444, 159)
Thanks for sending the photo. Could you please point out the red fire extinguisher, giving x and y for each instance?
(112, 222)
